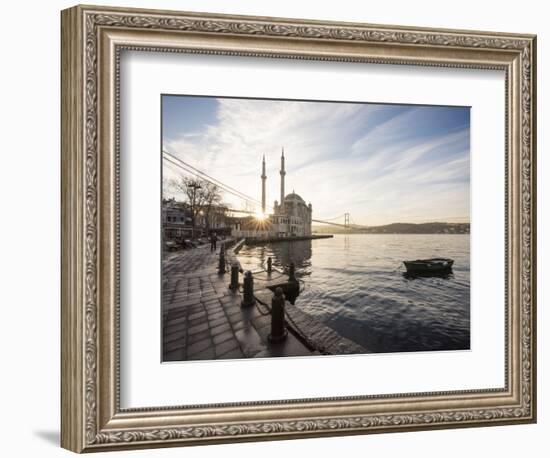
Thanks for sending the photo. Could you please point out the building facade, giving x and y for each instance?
(291, 216)
(176, 220)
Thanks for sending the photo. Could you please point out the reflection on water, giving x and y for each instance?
(447, 274)
(282, 254)
(355, 284)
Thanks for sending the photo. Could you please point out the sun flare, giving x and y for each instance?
(260, 216)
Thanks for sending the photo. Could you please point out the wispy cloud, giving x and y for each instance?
(382, 163)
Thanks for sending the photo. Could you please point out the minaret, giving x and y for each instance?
(283, 173)
(263, 185)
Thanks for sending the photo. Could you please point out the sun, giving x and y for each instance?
(260, 216)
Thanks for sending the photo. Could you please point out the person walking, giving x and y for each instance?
(213, 240)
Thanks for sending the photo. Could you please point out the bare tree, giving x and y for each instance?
(201, 195)
(213, 200)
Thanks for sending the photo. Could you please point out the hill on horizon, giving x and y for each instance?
(398, 228)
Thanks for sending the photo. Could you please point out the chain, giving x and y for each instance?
(258, 303)
(262, 312)
(305, 338)
(272, 268)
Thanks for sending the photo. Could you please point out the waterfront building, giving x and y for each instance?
(216, 220)
(176, 220)
(291, 216)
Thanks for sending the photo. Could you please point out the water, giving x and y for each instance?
(355, 284)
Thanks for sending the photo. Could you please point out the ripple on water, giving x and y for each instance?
(355, 284)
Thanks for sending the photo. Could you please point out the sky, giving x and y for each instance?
(381, 163)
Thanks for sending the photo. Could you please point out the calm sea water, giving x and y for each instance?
(355, 284)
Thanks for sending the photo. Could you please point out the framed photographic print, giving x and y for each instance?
(278, 228)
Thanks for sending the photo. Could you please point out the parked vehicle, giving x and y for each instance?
(171, 245)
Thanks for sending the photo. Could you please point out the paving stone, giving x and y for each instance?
(264, 320)
(197, 321)
(226, 300)
(226, 346)
(249, 341)
(175, 320)
(219, 338)
(213, 307)
(194, 296)
(220, 329)
(183, 296)
(198, 336)
(238, 325)
(263, 331)
(232, 354)
(194, 316)
(215, 323)
(174, 345)
(235, 317)
(210, 302)
(207, 291)
(232, 309)
(203, 355)
(216, 316)
(177, 313)
(170, 337)
(197, 328)
(177, 327)
(199, 346)
(177, 355)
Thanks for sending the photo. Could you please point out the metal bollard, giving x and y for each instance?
(248, 290)
(221, 264)
(269, 265)
(234, 285)
(278, 330)
(292, 273)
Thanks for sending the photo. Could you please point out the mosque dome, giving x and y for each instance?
(293, 197)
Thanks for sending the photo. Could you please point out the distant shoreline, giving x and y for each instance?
(343, 232)
(398, 228)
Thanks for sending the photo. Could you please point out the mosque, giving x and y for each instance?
(291, 216)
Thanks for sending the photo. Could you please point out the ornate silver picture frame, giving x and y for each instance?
(93, 39)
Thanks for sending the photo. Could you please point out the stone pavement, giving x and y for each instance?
(203, 319)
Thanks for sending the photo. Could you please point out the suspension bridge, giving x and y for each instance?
(344, 220)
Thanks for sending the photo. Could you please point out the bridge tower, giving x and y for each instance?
(346, 220)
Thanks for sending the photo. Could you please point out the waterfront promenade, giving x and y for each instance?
(203, 319)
